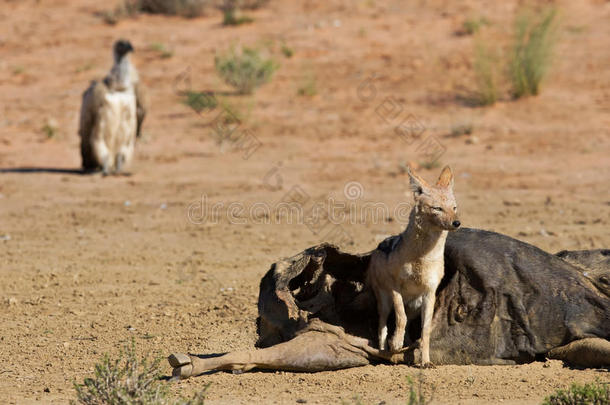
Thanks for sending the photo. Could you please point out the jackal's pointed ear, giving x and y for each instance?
(418, 185)
(446, 178)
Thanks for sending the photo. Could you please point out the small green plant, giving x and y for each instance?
(230, 18)
(131, 8)
(252, 4)
(232, 15)
(430, 164)
(308, 88)
(245, 69)
(164, 53)
(50, 128)
(183, 8)
(472, 25)
(287, 51)
(576, 29)
(416, 396)
(532, 51)
(461, 129)
(83, 68)
(17, 70)
(125, 9)
(125, 380)
(49, 131)
(200, 101)
(486, 73)
(596, 393)
(129, 381)
(231, 114)
(110, 17)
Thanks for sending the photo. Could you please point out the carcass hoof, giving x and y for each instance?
(182, 365)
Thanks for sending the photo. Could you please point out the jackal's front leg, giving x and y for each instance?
(427, 311)
(401, 322)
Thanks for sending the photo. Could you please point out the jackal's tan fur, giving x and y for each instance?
(406, 277)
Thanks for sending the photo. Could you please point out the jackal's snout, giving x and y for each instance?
(456, 224)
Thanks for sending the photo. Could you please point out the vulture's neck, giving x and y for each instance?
(121, 72)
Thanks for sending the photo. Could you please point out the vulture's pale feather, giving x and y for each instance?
(93, 99)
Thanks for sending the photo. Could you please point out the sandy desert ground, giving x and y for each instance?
(88, 263)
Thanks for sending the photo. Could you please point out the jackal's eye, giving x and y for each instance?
(440, 209)
(454, 209)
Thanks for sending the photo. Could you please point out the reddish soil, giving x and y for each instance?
(89, 263)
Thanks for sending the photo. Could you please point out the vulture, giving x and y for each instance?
(111, 116)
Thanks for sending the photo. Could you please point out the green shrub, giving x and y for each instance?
(416, 396)
(231, 13)
(245, 70)
(184, 8)
(230, 17)
(252, 4)
(430, 164)
(125, 9)
(472, 25)
(83, 68)
(129, 381)
(308, 87)
(231, 114)
(131, 8)
(17, 70)
(50, 129)
(162, 50)
(532, 51)
(588, 394)
(486, 73)
(199, 101)
(461, 129)
(287, 51)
